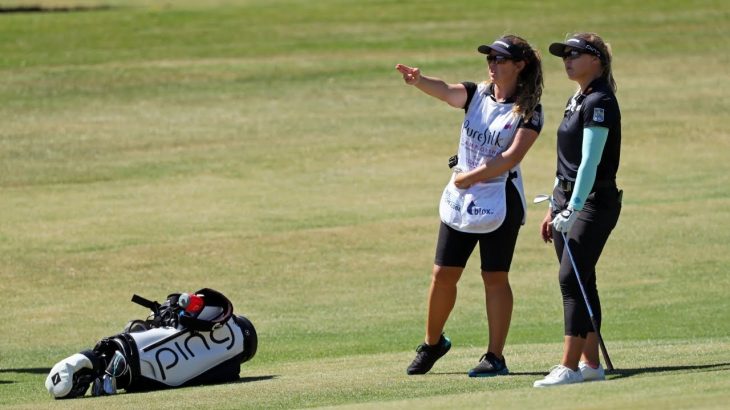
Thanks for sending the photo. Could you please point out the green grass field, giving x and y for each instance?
(268, 149)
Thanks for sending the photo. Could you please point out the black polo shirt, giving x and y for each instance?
(597, 107)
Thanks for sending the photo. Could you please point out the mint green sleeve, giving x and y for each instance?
(594, 139)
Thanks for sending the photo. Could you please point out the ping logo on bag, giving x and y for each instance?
(473, 209)
(196, 350)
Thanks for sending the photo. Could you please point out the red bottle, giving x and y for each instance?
(191, 302)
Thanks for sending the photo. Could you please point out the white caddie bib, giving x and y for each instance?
(488, 130)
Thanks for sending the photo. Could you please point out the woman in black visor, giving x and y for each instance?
(586, 203)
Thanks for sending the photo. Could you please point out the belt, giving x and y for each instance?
(567, 186)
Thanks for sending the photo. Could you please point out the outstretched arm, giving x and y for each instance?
(453, 94)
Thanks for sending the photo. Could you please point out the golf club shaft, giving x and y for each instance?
(609, 365)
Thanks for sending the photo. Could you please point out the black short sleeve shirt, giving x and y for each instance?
(598, 107)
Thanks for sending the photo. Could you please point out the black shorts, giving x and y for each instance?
(496, 248)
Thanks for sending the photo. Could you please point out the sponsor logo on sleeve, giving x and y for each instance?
(536, 119)
(598, 115)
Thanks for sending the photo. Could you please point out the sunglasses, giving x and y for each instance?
(573, 54)
(499, 59)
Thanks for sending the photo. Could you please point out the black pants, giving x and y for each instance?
(586, 239)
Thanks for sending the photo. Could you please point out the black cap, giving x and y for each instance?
(559, 49)
(505, 47)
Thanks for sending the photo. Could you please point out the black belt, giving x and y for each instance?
(567, 186)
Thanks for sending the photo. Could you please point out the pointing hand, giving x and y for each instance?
(411, 75)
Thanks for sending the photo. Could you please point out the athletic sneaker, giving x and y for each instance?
(489, 365)
(559, 375)
(426, 356)
(590, 374)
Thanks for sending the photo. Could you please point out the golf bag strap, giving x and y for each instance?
(211, 298)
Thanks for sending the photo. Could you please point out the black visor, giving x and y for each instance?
(559, 49)
(504, 47)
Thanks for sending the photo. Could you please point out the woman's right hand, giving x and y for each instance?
(546, 230)
(411, 75)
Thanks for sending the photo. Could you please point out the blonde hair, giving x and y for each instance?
(605, 49)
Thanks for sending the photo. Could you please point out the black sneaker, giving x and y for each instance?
(489, 365)
(427, 355)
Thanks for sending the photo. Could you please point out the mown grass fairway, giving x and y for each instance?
(268, 149)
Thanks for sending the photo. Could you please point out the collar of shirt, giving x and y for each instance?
(490, 92)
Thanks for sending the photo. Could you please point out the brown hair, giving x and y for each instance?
(605, 49)
(529, 81)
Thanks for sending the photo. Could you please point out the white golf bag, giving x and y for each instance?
(171, 348)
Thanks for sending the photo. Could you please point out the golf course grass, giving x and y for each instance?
(268, 149)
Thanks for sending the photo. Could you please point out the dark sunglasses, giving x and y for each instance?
(499, 59)
(572, 54)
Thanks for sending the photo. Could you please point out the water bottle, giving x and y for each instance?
(191, 303)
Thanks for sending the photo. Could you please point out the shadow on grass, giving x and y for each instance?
(31, 370)
(487, 377)
(622, 373)
(45, 370)
(252, 379)
(49, 9)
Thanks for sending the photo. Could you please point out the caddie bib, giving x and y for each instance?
(488, 129)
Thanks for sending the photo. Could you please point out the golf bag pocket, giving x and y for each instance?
(481, 208)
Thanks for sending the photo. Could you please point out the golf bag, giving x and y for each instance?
(171, 348)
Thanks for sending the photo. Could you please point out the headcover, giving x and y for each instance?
(72, 376)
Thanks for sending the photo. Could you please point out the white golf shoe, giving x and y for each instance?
(560, 375)
(590, 374)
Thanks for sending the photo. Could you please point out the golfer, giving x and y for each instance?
(586, 203)
(484, 200)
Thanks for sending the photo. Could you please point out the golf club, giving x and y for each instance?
(609, 365)
(540, 198)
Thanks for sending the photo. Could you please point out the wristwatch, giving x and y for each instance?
(565, 213)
